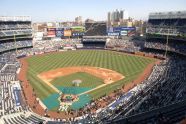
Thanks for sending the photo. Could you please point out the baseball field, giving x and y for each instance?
(99, 72)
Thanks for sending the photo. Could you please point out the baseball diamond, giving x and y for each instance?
(101, 73)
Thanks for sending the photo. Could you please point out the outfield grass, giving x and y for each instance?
(128, 65)
(88, 80)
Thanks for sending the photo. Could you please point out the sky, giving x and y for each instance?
(67, 10)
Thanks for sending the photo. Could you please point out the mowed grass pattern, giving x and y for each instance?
(128, 65)
(88, 80)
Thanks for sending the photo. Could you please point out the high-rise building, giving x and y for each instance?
(112, 16)
(117, 16)
(78, 20)
(121, 14)
(109, 17)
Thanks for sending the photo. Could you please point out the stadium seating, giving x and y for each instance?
(122, 45)
(8, 25)
(13, 45)
(172, 46)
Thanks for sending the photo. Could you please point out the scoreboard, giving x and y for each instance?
(51, 32)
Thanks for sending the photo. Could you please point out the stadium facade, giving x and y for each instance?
(167, 31)
(15, 32)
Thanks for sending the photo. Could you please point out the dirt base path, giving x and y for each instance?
(109, 76)
(49, 84)
(100, 86)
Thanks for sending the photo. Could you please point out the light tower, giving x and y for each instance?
(15, 42)
(167, 44)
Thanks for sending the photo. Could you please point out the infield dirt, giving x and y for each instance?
(109, 76)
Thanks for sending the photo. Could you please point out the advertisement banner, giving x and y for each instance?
(78, 33)
(78, 29)
(51, 32)
(17, 96)
(123, 33)
(59, 32)
(67, 33)
(119, 29)
(113, 33)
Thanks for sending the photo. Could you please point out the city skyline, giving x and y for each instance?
(63, 10)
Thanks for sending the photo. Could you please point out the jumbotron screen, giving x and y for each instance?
(95, 28)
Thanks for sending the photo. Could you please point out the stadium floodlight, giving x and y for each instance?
(15, 42)
(167, 43)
